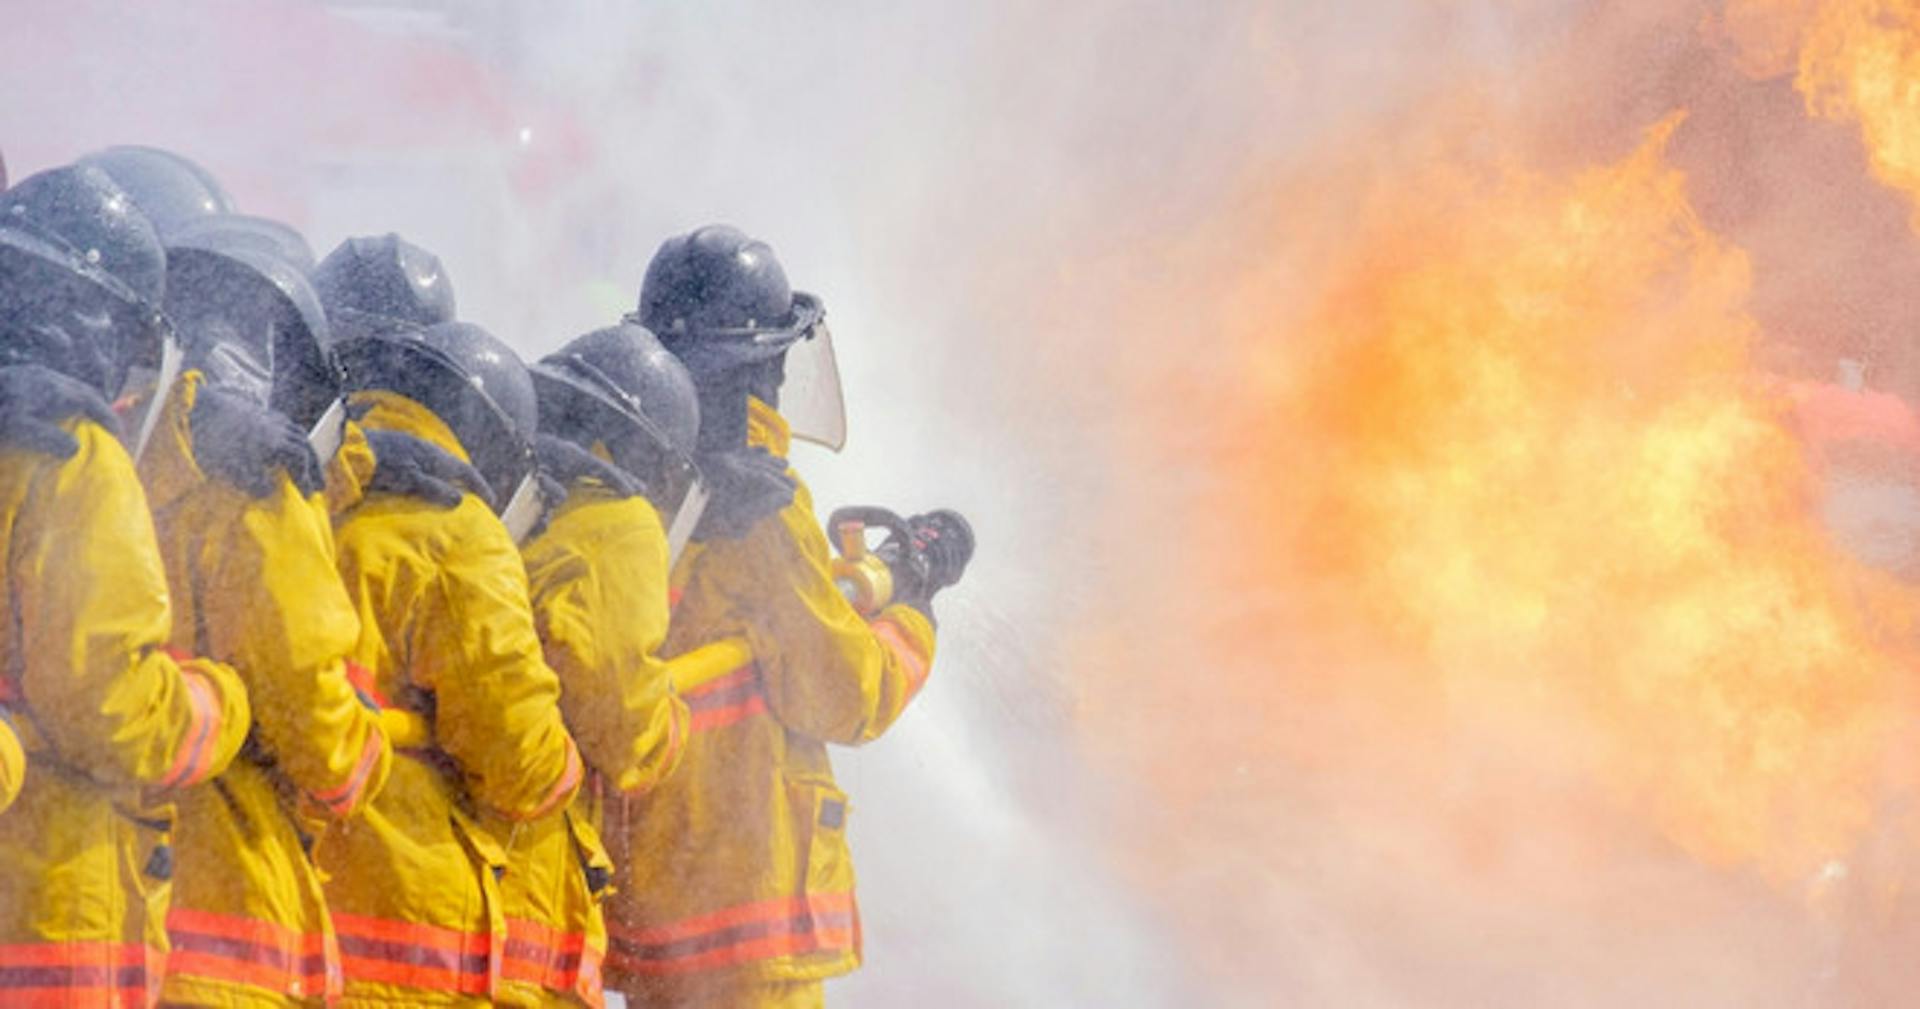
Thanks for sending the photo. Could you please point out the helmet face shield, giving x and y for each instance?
(683, 518)
(147, 389)
(810, 398)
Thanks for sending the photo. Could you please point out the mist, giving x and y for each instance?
(1081, 260)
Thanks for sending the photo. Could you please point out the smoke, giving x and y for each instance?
(1398, 584)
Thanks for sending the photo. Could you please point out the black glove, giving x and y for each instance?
(418, 468)
(246, 444)
(563, 462)
(933, 557)
(35, 400)
(748, 484)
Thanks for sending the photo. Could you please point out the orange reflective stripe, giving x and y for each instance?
(785, 927)
(558, 961)
(195, 758)
(341, 799)
(896, 641)
(413, 955)
(726, 700)
(78, 973)
(564, 788)
(252, 952)
(362, 680)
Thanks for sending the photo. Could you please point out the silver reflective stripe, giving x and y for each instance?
(524, 509)
(685, 520)
(326, 436)
(171, 357)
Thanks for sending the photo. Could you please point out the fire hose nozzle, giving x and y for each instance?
(861, 575)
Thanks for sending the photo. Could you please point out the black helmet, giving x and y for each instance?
(719, 299)
(81, 278)
(382, 284)
(168, 188)
(720, 302)
(471, 380)
(264, 234)
(619, 388)
(84, 210)
(250, 320)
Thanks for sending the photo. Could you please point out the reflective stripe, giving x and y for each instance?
(362, 680)
(340, 800)
(195, 759)
(252, 952)
(564, 788)
(554, 960)
(896, 641)
(384, 951)
(820, 923)
(67, 974)
(726, 700)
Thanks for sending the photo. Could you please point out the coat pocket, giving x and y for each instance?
(828, 912)
(596, 866)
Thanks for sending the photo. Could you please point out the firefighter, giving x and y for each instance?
(741, 891)
(169, 190)
(618, 418)
(248, 546)
(448, 636)
(110, 713)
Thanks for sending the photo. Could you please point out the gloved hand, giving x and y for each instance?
(747, 484)
(562, 462)
(933, 557)
(418, 468)
(35, 400)
(245, 444)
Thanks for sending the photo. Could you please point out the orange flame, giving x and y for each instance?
(1853, 60)
(1522, 451)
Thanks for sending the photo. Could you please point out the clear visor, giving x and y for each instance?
(525, 509)
(329, 432)
(685, 518)
(147, 389)
(810, 397)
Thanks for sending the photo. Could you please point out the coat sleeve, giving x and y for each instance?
(603, 618)
(289, 629)
(497, 702)
(828, 673)
(102, 688)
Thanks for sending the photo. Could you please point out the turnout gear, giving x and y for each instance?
(749, 484)
(720, 301)
(248, 446)
(35, 401)
(447, 633)
(107, 711)
(251, 321)
(618, 391)
(564, 463)
(383, 284)
(470, 381)
(169, 189)
(736, 876)
(249, 558)
(416, 468)
(598, 573)
(13, 760)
